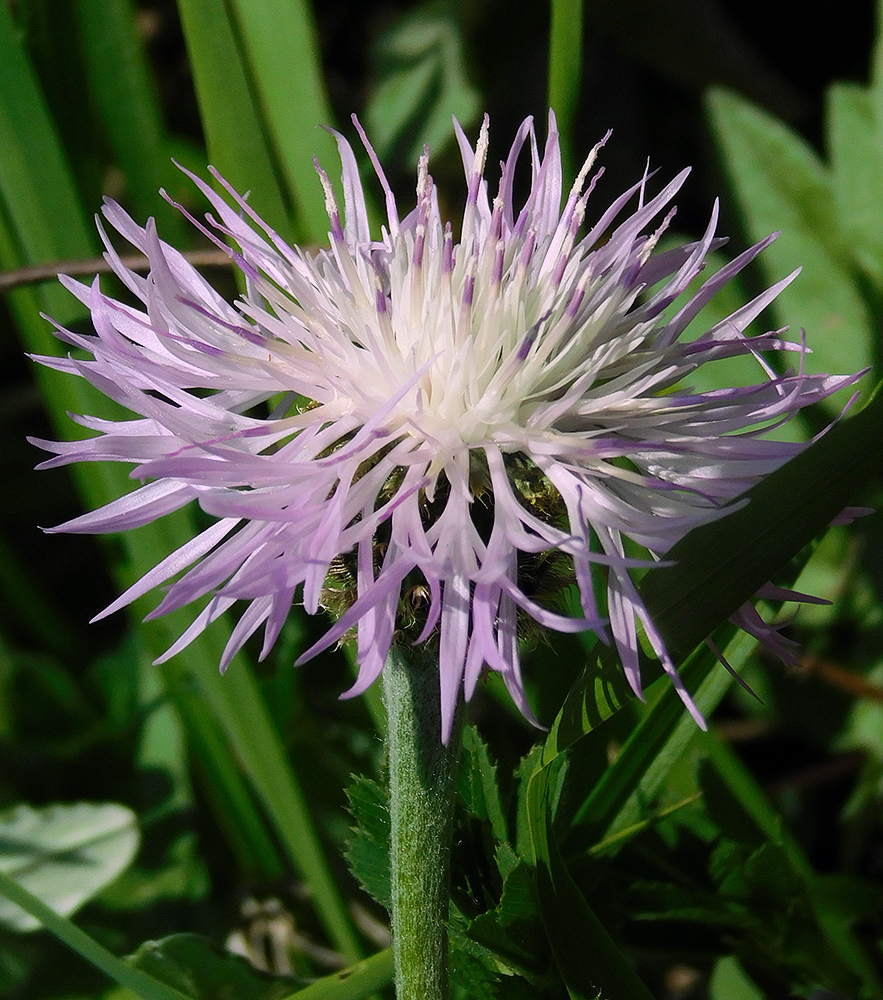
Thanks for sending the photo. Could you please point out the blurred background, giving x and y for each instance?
(775, 106)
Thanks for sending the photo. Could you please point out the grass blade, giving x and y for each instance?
(355, 983)
(565, 71)
(280, 42)
(235, 131)
(67, 932)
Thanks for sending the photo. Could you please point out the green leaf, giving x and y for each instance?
(421, 82)
(855, 144)
(37, 190)
(478, 785)
(519, 948)
(89, 949)
(658, 742)
(589, 961)
(598, 694)
(200, 969)
(729, 982)
(50, 35)
(196, 968)
(64, 854)
(845, 951)
(780, 184)
(368, 848)
(123, 93)
(235, 131)
(280, 41)
(769, 875)
(470, 977)
(719, 566)
(360, 980)
(518, 901)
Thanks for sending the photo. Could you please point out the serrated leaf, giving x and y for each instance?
(478, 784)
(507, 860)
(780, 184)
(845, 958)
(63, 854)
(368, 849)
(518, 901)
(200, 969)
(524, 954)
(471, 978)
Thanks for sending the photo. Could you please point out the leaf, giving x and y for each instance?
(89, 949)
(565, 71)
(422, 82)
(63, 854)
(368, 848)
(471, 979)
(280, 42)
(124, 96)
(665, 901)
(845, 951)
(719, 566)
(36, 185)
(518, 901)
(725, 810)
(478, 785)
(598, 694)
(780, 184)
(855, 144)
(234, 127)
(769, 875)
(658, 742)
(729, 982)
(589, 961)
(200, 969)
(363, 979)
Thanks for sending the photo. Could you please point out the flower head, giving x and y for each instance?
(429, 431)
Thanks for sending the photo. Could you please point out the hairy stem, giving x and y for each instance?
(421, 785)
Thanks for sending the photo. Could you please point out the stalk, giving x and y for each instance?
(422, 772)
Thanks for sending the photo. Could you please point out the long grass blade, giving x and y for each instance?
(280, 41)
(66, 931)
(235, 130)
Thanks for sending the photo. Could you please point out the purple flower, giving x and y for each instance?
(431, 435)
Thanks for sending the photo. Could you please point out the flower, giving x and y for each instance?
(429, 433)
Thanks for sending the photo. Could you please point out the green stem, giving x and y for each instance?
(421, 789)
